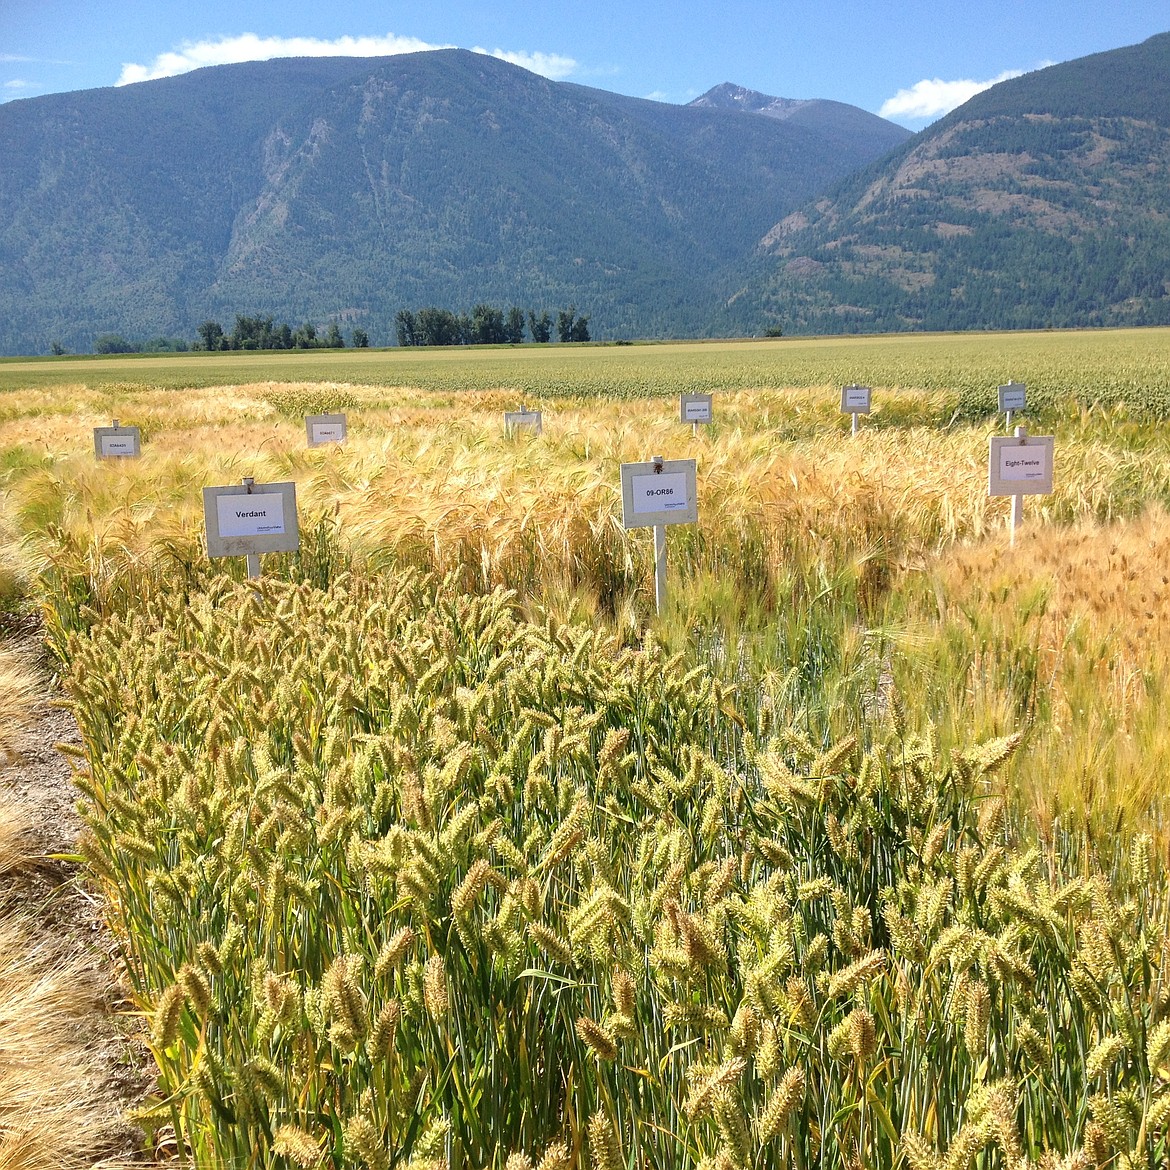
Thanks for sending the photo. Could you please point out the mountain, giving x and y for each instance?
(826, 118)
(1042, 202)
(346, 189)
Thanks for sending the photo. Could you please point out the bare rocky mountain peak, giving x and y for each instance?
(730, 96)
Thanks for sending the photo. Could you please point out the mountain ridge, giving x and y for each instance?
(1041, 202)
(344, 189)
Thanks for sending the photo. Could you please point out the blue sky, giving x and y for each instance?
(909, 61)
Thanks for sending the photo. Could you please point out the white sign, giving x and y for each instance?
(515, 420)
(240, 521)
(117, 442)
(695, 408)
(855, 399)
(659, 493)
(1019, 466)
(325, 428)
(1013, 396)
(250, 515)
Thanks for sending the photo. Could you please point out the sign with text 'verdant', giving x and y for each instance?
(523, 420)
(117, 442)
(659, 493)
(695, 408)
(1013, 397)
(325, 428)
(261, 519)
(855, 399)
(1019, 466)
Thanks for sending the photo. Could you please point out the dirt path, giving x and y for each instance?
(58, 923)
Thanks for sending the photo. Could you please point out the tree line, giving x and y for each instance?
(487, 325)
(263, 333)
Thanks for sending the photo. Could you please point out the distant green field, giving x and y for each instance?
(1108, 366)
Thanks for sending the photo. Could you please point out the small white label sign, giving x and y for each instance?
(1013, 396)
(112, 445)
(325, 428)
(855, 400)
(660, 493)
(1021, 465)
(695, 408)
(250, 515)
(117, 442)
(530, 420)
(664, 492)
(1026, 463)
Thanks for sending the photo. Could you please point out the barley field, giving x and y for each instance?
(437, 847)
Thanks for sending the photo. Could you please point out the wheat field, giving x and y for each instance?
(437, 847)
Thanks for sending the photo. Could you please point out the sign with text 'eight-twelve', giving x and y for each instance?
(1020, 466)
(659, 493)
(240, 521)
(325, 428)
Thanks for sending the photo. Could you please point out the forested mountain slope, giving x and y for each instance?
(345, 189)
(1043, 201)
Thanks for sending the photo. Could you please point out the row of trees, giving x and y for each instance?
(262, 333)
(487, 325)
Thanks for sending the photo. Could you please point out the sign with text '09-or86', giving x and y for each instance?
(659, 493)
(1019, 466)
(260, 520)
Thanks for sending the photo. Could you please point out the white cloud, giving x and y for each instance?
(932, 98)
(550, 65)
(250, 47)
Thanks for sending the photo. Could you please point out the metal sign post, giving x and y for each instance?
(261, 518)
(1018, 466)
(655, 494)
(855, 400)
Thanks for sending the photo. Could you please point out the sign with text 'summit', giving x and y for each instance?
(1020, 466)
(322, 429)
(250, 519)
(659, 492)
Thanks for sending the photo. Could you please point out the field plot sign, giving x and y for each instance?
(655, 494)
(1012, 398)
(117, 442)
(695, 409)
(1020, 466)
(855, 401)
(322, 429)
(522, 420)
(251, 519)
